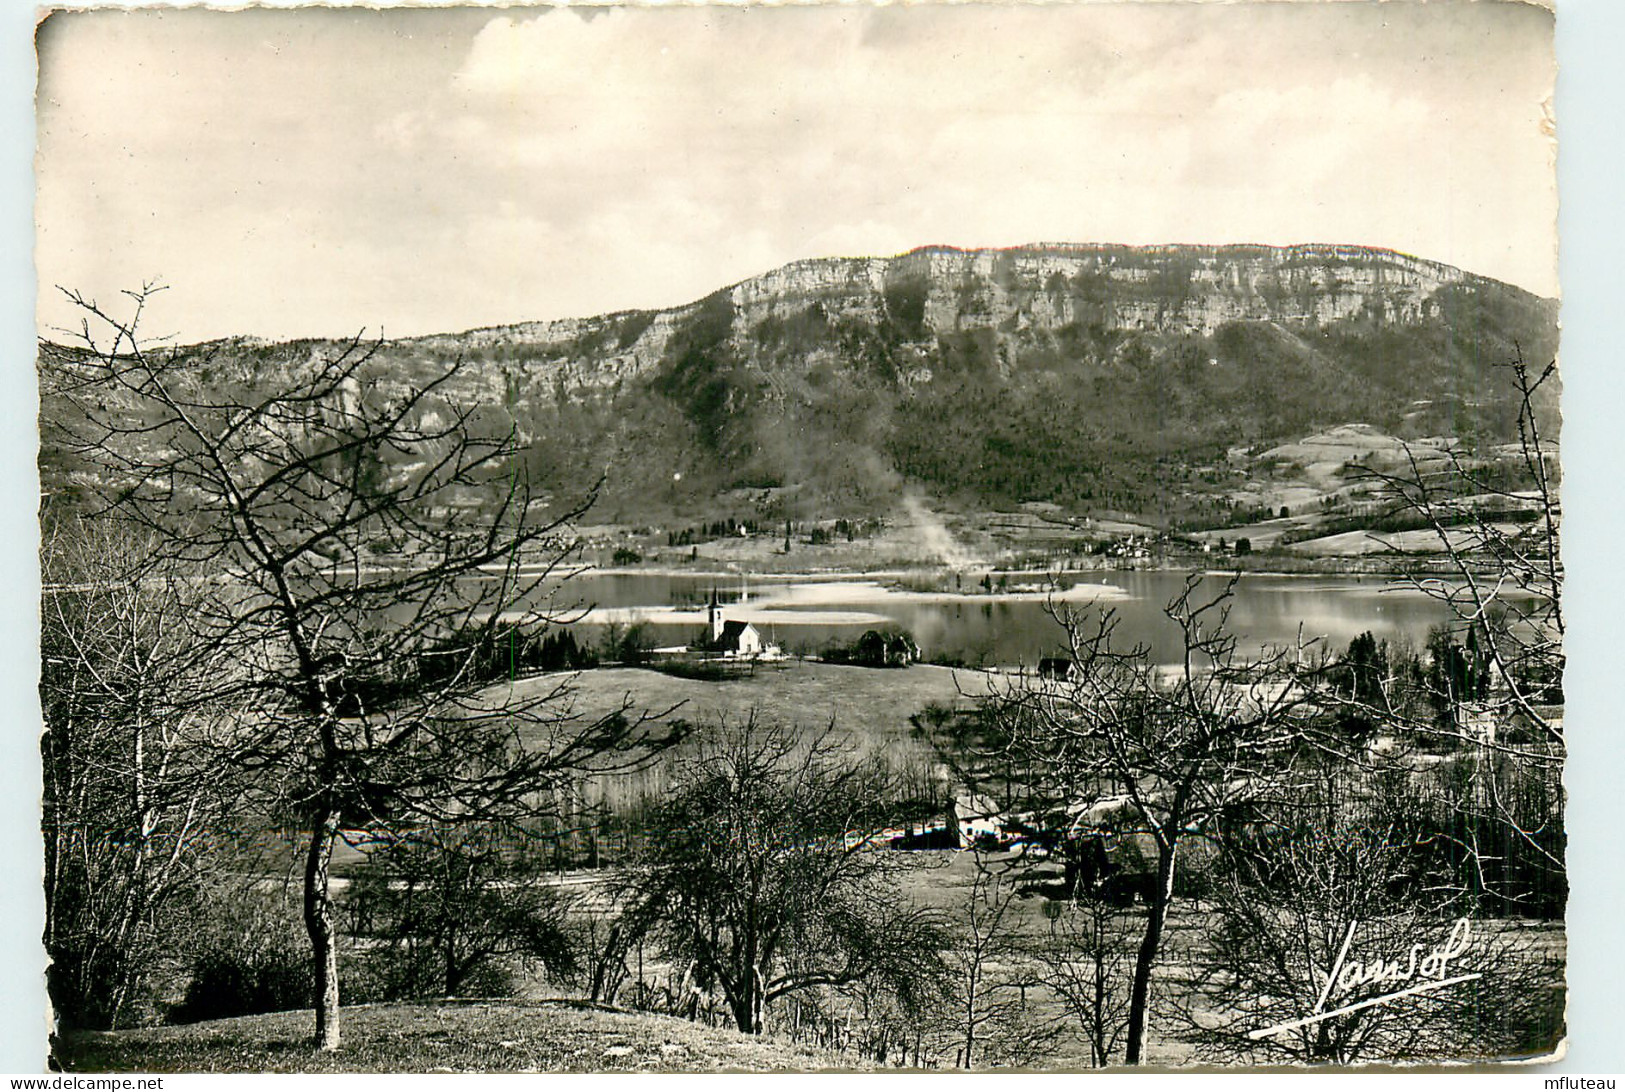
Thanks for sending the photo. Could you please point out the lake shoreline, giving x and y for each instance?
(838, 574)
(977, 625)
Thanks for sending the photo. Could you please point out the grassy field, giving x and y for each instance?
(1422, 541)
(871, 704)
(443, 1037)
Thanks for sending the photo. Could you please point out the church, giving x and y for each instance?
(733, 638)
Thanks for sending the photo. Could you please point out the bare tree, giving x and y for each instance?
(1170, 754)
(362, 535)
(992, 974)
(455, 911)
(1495, 563)
(126, 801)
(608, 943)
(1493, 685)
(763, 877)
(1335, 939)
(1086, 967)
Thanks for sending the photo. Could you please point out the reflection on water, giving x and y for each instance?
(1016, 626)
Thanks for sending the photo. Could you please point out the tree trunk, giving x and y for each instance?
(319, 924)
(1140, 994)
(1097, 1047)
(970, 1024)
(742, 1015)
(613, 951)
(748, 1003)
(746, 1008)
(136, 882)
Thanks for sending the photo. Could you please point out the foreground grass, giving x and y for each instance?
(444, 1036)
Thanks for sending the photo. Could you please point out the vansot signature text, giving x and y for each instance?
(1432, 971)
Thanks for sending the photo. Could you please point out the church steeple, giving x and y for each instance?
(715, 615)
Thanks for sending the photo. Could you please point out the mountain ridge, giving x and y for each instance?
(1085, 374)
(1298, 251)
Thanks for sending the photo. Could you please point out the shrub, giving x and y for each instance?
(254, 957)
(457, 912)
(227, 983)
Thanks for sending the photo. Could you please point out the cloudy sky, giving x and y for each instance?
(314, 172)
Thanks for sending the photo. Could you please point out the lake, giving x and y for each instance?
(1002, 628)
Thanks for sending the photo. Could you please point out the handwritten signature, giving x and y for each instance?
(1343, 977)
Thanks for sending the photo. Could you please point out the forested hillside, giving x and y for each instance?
(1098, 377)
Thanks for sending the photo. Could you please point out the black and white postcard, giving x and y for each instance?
(836, 537)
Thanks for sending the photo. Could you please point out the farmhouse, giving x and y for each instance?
(1054, 667)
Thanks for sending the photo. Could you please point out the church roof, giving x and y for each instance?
(731, 632)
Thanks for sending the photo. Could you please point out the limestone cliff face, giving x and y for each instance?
(809, 331)
(1170, 288)
(937, 292)
(850, 287)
